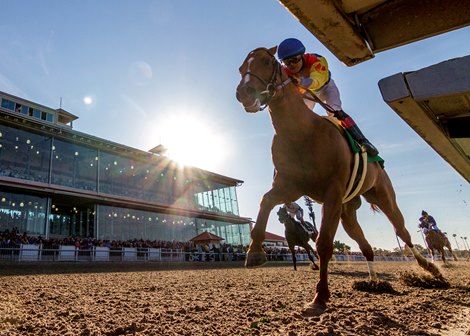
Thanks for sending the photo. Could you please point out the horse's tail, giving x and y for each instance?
(375, 208)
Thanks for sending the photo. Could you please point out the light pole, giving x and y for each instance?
(463, 243)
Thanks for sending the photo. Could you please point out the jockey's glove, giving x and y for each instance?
(306, 82)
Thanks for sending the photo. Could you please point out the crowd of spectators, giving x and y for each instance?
(13, 239)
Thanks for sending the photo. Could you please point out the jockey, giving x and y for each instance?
(310, 72)
(428, 222)
(295, 211)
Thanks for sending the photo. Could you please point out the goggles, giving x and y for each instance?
(292, 60)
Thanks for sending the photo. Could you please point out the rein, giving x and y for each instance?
(309, 95)
(272, 87)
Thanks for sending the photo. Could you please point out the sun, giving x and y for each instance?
(191, 141)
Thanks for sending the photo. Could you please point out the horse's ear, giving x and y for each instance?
(273, 50)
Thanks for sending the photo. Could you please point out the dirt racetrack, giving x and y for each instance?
(223, 299)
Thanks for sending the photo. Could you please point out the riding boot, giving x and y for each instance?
(348, 123)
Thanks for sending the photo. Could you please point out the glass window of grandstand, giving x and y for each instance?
(68, 220)
(135, 179)
(22, 213)
(74, 165)
(128, 224)
(234, 234)
(8, 104)
(24, 155)
(26, 110)
(217, 198)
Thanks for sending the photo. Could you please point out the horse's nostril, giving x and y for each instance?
(245, 91)
(250, 91)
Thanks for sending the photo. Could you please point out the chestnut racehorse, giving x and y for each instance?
(312, 158)
(437, 241)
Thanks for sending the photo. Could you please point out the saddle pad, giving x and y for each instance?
(352, 143)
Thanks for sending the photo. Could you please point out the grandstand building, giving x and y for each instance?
(58, 182)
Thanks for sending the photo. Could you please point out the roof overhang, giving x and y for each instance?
(440, 114)
(354, 30)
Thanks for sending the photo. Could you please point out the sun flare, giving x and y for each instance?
(191, 142)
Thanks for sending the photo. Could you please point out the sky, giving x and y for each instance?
(143, 73)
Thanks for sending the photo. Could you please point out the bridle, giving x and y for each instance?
(271, 87)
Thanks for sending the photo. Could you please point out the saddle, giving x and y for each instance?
(360, 166)
(308, 227)
(284, 216)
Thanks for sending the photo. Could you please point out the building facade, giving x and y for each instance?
(58, 182)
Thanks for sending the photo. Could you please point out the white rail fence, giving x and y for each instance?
(31, 253)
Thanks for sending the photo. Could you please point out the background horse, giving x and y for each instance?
(312, 158)
(436, 242)
(297, 236)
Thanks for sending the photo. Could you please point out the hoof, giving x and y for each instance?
(435, 271)
(255, 259)
(314, 267)
(313, 309)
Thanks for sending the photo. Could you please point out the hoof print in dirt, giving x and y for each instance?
(423, 280)
(374, 287)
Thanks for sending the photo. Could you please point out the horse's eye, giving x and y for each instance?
(266, 61)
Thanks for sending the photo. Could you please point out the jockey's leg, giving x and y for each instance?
(349, 124)
(330, 95)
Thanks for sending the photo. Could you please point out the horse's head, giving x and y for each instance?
(423, 225)
(283, 215)
(260, 72)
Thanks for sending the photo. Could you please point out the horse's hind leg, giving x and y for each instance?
(310, 251)
(353, 229)
(383, 196)
(451, 252)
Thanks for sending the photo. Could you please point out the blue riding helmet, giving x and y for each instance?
(289, 48)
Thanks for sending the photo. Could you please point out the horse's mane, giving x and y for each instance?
(283, 215)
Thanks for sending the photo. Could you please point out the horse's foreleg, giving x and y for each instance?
(431, 252)
(256, 255)
(443, 255)
(329, 225)
(294, 259)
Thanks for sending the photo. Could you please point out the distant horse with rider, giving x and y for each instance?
(311, 157)
(296, 235)
(436, 240)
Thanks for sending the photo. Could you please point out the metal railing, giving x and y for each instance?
(31, 253)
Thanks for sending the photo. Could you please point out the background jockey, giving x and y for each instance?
(296, 212)
(428, 222)
(310, 72)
